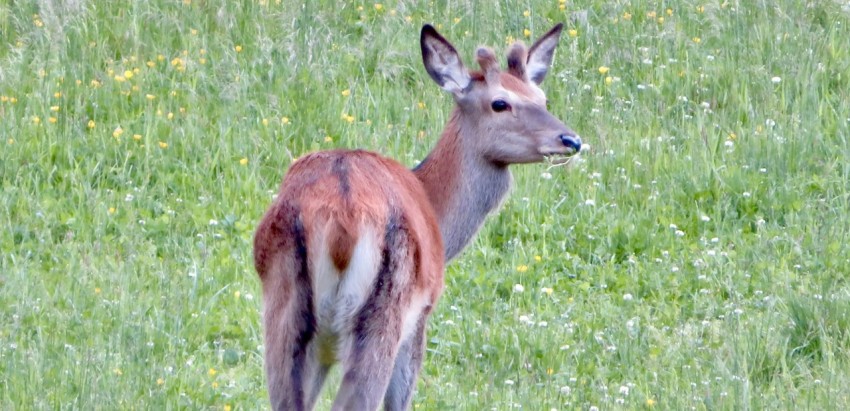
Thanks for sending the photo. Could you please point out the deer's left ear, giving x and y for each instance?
(540, 54)
(442, 62)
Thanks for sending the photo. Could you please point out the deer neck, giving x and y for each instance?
(462, 185)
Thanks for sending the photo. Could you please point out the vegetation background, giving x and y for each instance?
(696, 257)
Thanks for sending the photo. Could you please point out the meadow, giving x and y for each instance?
(694, 257)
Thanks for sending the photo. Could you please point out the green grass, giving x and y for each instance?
(697, 255)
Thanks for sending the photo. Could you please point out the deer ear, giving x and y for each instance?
(442, 62)
(540, 54)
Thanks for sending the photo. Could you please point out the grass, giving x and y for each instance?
(695, 258)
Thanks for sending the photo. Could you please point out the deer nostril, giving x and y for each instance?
(573, 142)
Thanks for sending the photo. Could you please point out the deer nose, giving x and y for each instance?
(571, 141)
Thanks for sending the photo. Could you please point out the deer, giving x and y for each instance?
(351, 252)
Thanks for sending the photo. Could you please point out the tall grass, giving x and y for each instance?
(695, 258)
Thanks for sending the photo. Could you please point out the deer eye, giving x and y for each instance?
(500, 105)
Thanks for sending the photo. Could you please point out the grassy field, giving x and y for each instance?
(695, 258)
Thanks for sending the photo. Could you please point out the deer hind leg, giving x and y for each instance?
(407, 365)
(293, 370)
(370, 347)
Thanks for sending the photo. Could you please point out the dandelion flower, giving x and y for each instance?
(137, 137)
(36, 120)
(211, 372)
(609, 80)
(244, 162)
(265, 121)
(379, 6)
(329, 139)
(170, 115)
(163, 144)
(603, 69)
(573, 33)
(284, 120)
(128, 74)
(52, 120)
(238, 48)
(160, 381)
(91, 124)
(150, 96)
(346, 92)
(117, 132)
(697, 40)
(526, 33)
(522, 268)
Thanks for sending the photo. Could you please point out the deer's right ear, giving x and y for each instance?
(442, 62)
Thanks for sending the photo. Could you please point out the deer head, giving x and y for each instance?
(503, 114)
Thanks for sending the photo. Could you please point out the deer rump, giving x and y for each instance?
(351, 261)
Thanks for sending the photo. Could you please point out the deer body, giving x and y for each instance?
(352, 251)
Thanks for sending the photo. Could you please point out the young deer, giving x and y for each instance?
(351, 253)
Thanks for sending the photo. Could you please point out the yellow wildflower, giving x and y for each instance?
(627, 16)
(238, 48)
(150, 96)
(57, 94)
(54, 108)
(608, 80)
(36, 120)
(573, 33)
(111, 210)
(379, 6)
(170, 115)
(522, 268)
(244, 162)
(526, 13)
(137, 137)
(603, 69)
(284, 120)
(265, 121)
(346, 92)
(160, 381)
(91, 124)
(163, 144)
(117, 132)
(211, 372)
(526, 32)
(52, 120)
